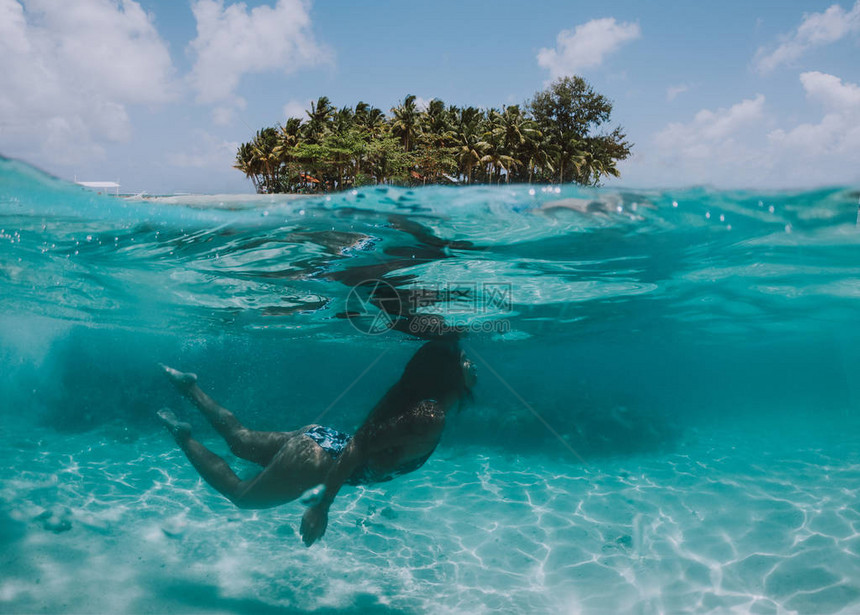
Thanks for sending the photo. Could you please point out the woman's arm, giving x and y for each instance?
(416, 432)
(315, 519)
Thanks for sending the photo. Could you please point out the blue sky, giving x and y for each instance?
(157, 93)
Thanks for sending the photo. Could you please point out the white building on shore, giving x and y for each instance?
(105, 187)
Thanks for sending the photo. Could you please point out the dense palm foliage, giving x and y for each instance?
(553, 138)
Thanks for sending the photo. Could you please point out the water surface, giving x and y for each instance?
(665, 419)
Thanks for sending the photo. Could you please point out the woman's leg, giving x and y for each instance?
(257, 446)
(211, 467)
(298, 466)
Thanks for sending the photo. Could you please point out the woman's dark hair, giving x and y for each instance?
(435, 372)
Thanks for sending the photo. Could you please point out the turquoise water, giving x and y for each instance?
(666, 415)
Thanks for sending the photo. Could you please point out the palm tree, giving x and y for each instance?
(468, 146)
(362, 110)
(289, 138)
(606, 150)
(433, 122)
(539, 155)
(405, 122)
(247, 162)
(590, 168)
(263, 151)
(518, 134)
(375, 123)
(343, 121)
(498, 162)
(319, 118)
(345, 148)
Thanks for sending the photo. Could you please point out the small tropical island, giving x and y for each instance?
(559, 136)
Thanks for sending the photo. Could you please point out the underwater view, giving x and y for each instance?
(665, 416)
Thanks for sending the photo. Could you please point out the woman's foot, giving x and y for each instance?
(179, 430)
(181, 380)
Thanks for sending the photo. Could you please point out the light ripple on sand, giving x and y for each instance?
(728, 530)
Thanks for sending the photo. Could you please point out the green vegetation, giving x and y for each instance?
(553, 138)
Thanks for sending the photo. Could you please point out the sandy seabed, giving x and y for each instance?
(93, 523)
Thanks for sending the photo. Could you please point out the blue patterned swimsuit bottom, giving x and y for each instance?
(333, 442)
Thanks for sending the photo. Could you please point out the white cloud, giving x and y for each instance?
(837, 133)
(816, 29)
(233, 41)
(714, 147)
(223, 115)
(830, 91)
(68, 70)
(711, 131)
(296, 108)
(210, 152)
(673, 91)
(743, 145)
(422, 103)
(586, 46)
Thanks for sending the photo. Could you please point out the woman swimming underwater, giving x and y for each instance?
(398, 436)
